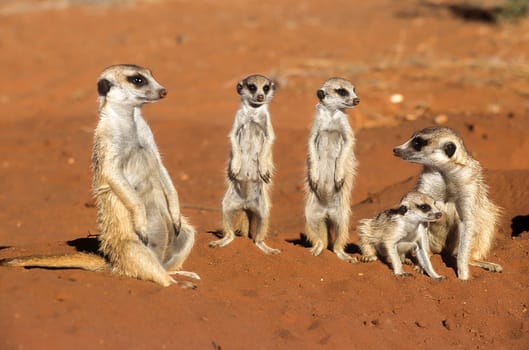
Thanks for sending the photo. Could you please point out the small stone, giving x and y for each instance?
(441, 119)
(396, 98)
(71, 161)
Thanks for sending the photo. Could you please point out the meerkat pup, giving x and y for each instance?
(331, 167)
(453, 177)
(142, 232)
(394, 232)
(250, 165)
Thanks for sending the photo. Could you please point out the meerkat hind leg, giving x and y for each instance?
(260, 233)
(394, 259)
(369, 252)
(229, 234)
(403, 248)
(316, 232)
(341, 228)
(243, 223)
(136, 260)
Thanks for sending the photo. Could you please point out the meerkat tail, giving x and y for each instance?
(89, 262)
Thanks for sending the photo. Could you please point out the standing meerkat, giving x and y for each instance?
(394, 232)
(331, 167)
(453, 177)
(250, 165)
(142, 232)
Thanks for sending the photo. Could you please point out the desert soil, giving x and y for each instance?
(466, 74)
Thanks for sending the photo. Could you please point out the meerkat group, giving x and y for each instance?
(143, 234)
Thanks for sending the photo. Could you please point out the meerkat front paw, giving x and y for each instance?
(234, 168)
(265, 174)
(338, 183)
(140, 225)
(313, 183)
(368, 258)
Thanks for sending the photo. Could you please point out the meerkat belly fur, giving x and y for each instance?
(452, 176)
(250, 165)
(331, 167)
(142, 232)
(394, 232)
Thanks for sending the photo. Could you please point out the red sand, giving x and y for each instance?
(474, 74)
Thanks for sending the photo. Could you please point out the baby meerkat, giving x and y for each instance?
(331, 167)
(395, 232)
(451, 176)
(250, 165)
(142, 232)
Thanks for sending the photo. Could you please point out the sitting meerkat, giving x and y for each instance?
(331, 168)
(451, 176)
(394, 232)
(250, 166)
(142, 232)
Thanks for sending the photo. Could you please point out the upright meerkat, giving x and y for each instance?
(331, 167)
(394, 232)
(250, 165)
(453, 177)
(142, 232)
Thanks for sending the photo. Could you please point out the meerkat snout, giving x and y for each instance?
(162, 93)
(356, 101)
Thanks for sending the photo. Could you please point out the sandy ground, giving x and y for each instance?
(471, 75)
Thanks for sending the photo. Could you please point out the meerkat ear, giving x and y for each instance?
(321, 94)
(103, 87)
(240, 86)
(449, 149)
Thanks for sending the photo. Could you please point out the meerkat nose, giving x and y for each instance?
(260, 98)
(438, 215)
(356, 101)
(162, 93)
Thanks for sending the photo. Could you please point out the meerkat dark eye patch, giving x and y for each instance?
(321, 94)
(424, 207)
(252, 88)
(266, 88)
(399, 211)
(418, 143)
(239, 87)
(342, 92)
(103, 87)
(138, 80)
(449, 149)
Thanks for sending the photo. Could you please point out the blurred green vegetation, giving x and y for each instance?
(514, 9)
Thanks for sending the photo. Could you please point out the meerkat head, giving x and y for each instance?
(338, 93)
(435, 146)
(256, 90)
(129, 85)
(419, 207)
